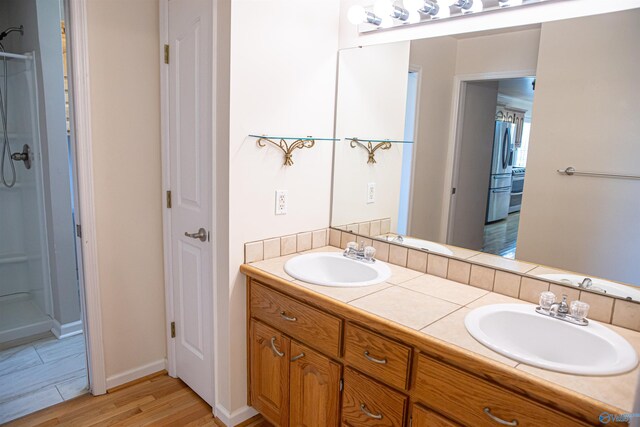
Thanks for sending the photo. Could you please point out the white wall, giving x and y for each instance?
(437, 60)
(585, 115)
(125, 101)
(371, 103)
(282, 68)
(533, 14)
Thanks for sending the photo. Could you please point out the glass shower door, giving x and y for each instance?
(25, 291)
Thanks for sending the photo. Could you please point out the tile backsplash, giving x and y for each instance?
(480, 272)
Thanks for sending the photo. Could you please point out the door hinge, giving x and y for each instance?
(173, 329)
(453, 190)
(166, 53)
(169, 199)
(341, 385)
(79, 230)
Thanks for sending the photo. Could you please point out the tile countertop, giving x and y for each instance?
(437, 307)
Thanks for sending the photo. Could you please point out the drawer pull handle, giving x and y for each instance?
(300, 356)
(365, 411)
(373, 359)
(499, 420)
(288, 318)
(275, 350)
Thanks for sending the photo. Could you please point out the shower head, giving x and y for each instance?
(10, 30)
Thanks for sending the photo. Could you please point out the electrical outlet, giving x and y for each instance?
(371, 192)
(281, 202)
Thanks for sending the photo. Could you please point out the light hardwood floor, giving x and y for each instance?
(156, 401)
(500, 237)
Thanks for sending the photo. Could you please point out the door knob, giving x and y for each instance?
(201, 235)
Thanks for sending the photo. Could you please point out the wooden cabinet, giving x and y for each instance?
(423, 417)
(472, 401)
(300, 354)
(367, 403)
(269, 376)
(377, 356)
(314, 392)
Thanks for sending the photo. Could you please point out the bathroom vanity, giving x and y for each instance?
(318, 361)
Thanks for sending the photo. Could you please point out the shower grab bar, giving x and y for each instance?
(14, 55)
(570, 171)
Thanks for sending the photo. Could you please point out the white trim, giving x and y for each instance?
(135, 373)
(233, 418)
(166, 186)
(451, 167)
(66, 330)
(25, 331)
(78, 57)
(414, 147)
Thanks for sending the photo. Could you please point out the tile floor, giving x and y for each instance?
(42, 373)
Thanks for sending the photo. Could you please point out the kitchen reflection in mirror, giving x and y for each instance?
(492, 118)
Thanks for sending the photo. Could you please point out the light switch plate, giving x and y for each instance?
(281, 202)
(371, 192)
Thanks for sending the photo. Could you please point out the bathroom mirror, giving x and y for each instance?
(460, 145)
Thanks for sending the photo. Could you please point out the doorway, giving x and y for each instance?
(42, 333)
(490, 163)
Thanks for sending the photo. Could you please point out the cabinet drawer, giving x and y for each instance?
(296, 319)
(473, 401)
(377, 356)
(422, 417)
(367, 403)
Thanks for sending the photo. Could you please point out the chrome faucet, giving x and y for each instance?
(359, 252)
(560, 310)
(586, 283)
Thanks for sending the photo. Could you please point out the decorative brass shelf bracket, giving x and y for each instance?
(371, 149)
(287, 144)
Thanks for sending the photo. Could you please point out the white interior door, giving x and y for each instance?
(190, 139)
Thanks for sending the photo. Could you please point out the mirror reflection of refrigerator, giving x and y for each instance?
(501, 166)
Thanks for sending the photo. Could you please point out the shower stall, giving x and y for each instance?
(25, 288)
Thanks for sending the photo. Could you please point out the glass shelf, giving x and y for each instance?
(294, 138)
(391, 141)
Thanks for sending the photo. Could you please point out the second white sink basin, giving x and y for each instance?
(599, 285)
(518, 332)
(334, 269)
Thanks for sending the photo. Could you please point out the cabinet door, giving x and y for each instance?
(422, 417)
(315, 388)
(269, 367)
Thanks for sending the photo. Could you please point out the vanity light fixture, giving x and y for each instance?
(434, 9)
(386, 8)
(359, 15)
(469, 6)
(507, 3)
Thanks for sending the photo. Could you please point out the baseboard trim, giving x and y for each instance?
(136, 373)
(236, 417)
(66, 330)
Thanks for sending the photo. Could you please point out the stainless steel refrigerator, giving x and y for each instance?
(501, 166)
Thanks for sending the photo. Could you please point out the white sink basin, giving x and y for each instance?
(518, 332)
(599, 285)
(334, 269)
(422, 244)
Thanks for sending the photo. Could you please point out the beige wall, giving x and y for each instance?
(585, 115)
(437, 60)
(283, 67)
(125, 102)
(371, 103)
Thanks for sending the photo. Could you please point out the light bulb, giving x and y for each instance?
(443, 12)
(356, 14)
(383, 8)
(413, 5)
(414, 17)
(386, 22)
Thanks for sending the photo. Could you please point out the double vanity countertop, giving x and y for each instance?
(437, 307)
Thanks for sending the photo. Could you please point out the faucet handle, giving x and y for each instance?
(351, 246)
(547, 299)
(369, 253)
